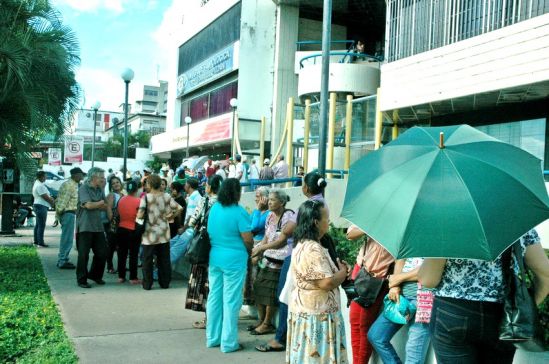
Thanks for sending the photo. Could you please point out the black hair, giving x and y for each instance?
(315, 183)
(112, 179)
(229, 193)
(132, 186)
(165, 181)
(309, 211)
(180, 172)
(40, 174)
(177, 186)
(193, 183)
(214, 182)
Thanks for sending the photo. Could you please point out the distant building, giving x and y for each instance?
(83, 124)
(155, 124)
(154, 100)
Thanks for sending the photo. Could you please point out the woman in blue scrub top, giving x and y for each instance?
(229, 227)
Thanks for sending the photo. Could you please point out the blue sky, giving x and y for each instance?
(113, 35)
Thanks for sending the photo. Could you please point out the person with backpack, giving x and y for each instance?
(270, 263)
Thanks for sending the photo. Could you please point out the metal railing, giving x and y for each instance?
(363, 56)
(253, 183)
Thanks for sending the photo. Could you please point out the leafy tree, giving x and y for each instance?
(38, 90)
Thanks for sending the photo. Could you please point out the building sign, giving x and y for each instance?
(74, 149)
(214, 67)
(203, 132)
(54, 156)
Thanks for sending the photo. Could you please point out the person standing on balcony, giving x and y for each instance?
(280, 169)
(65, 210)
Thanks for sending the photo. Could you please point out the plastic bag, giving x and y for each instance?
(399, 313)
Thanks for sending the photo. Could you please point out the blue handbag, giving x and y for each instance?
(399, 313)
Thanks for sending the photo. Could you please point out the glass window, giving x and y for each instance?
(220, 99)
(199, 108)
(528, 135)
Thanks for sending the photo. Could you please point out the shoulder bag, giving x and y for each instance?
(368, 288)
(140, 224)
(277, 256)
(520, 316)
(199, 248)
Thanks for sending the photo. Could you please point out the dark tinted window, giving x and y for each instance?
(223, 31)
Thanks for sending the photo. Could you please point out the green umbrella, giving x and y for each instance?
(451, 192)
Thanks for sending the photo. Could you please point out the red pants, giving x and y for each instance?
(361, 319)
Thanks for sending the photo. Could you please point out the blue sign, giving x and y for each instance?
(214, 67)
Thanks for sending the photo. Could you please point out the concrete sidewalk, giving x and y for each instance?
(122, 323)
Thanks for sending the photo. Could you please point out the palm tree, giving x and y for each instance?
(38, 90)
(38, 57)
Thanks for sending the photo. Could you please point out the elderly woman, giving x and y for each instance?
(197, 290)
(468, 304)
(259, 218)
(266, 283)
(316, 332)
(231, 239)
(116, 191)
(160, 208)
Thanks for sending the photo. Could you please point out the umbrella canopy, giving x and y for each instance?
(471, 197)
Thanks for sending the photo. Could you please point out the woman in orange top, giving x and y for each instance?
(127, 240)
(376, 260)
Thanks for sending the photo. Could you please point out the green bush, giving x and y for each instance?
(31, 330)
(347, 250)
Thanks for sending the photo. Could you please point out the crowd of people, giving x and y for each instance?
(282, 262)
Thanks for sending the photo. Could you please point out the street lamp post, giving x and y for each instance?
(95, 107)
(127, 76)
(188, 121)
(234, 104)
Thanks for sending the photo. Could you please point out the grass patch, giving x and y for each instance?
(31, 330)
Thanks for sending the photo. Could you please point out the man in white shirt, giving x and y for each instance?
(232, 169)
(254, 171)
(280, 169)
(42, 203)
(219, 170)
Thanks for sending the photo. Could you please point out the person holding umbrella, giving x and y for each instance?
(468, 305)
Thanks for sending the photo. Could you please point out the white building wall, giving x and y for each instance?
(285, 80)
(511, 56)
(255, 59)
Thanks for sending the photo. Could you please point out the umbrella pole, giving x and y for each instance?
(441, 141)
(379, 121)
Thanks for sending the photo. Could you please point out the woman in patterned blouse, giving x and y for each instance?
(468, 305)
(316, 332)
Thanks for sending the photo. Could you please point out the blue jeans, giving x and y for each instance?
(67, 237)
(466, 332)
(383, 330)
(223, 307)
(282, 328)
(179, 244)
(41, 213)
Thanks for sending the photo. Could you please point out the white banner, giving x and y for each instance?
(74, 149)
(54, 156)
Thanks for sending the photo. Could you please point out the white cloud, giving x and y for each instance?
(116, 6)
(107, 88)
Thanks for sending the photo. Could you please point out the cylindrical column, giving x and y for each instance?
(331, 132)
(395, 125)
(348, 129)
(93, 141)
(125, 166)
(326, 38)
(262, 142)
(290, 137)
(379, 121)
(306, 132)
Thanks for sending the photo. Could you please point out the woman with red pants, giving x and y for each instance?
(376, 260)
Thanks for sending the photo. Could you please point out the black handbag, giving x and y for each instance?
(199, 248)
(520, 314)
(140, 224)
(368, 288)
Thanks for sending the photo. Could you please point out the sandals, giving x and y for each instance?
(265, 348)
(200, 324)
(270, 330)
(135, 281)
(252, 327)
(112, 271)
